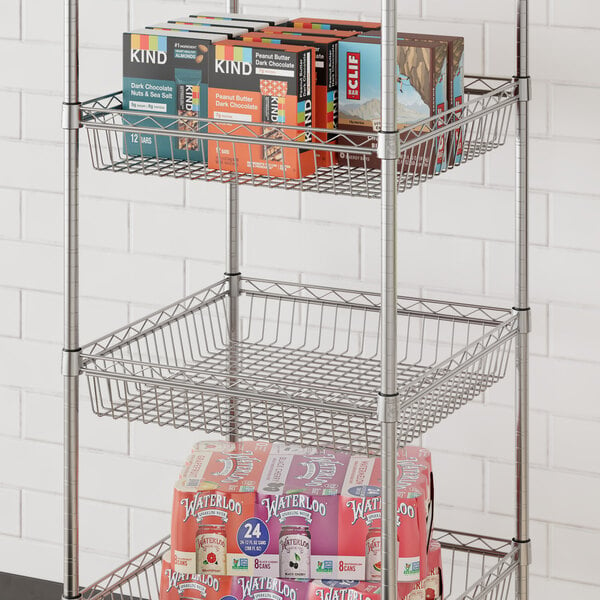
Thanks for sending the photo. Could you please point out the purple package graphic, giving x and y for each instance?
(298, 500)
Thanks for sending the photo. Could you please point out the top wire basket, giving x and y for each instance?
(302, 366)
(475, 567)
(280, 156)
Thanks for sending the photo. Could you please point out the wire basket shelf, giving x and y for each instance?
(474, 568)
(304, 366)
(316, 160)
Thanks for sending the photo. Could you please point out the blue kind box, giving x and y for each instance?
(165, 74)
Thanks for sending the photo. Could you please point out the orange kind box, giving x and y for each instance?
(270, 85)
(215, 494)
(326, 84)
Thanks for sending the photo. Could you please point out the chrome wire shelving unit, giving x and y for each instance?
(307, 364)
(475, 568)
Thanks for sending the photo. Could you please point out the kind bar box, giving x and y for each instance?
(337, 33)
(238, 22)
(455, 78)
(326, 88)
(421, 94)
(215, 494)
(166, 73)
(359, 529)
(254, 82)
(227, 31)
(270, 20)
(297, 504)
(314, 23)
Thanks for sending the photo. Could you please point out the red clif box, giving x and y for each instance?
(326, 89)
(315, 23)
(213, 497)
(359, 530)
(254, 82)
(337, 33)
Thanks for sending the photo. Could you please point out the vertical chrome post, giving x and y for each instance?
(522, 303)
(388, 395)
(71, 350)
(234, 275)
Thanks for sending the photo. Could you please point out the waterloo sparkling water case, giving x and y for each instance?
(421, 94)
(298, 503)
(359, 529)
(216, 488)
(166, 72)
(254, 82)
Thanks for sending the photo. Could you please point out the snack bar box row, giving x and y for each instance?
(175, 585)
(287, 511)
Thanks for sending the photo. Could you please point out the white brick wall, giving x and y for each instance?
(148, 241)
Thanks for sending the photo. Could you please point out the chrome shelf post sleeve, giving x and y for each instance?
(522, 303)
(234, 275)
(388, 395)
(71, 350)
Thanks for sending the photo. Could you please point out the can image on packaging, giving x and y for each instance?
(294, 552)
(373, 554)
(211, 550)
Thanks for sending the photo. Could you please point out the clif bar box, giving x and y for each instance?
(326, 89)
(262, 83)
(421, 94)
(166, 72)
(315, 23)
(270, 20)
(455, 79)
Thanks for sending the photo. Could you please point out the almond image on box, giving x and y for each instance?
(254, 82)
(421, 94)
(166, 72)
(313, 23)
(326, 84)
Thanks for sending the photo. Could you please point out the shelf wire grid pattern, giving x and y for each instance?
(305, 368)
(463, 133)
(474, 568)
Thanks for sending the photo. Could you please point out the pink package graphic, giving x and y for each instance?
(297, 504)
(267, 588)
(360, 520)
(332, 589)
(434, 579)
(213, 497)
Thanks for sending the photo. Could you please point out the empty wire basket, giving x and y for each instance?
(302, 368)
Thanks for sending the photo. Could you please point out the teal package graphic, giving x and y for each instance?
(165, 74)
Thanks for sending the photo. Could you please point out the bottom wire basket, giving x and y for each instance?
(474, 568)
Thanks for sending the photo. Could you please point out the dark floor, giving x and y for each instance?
(15, 587)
